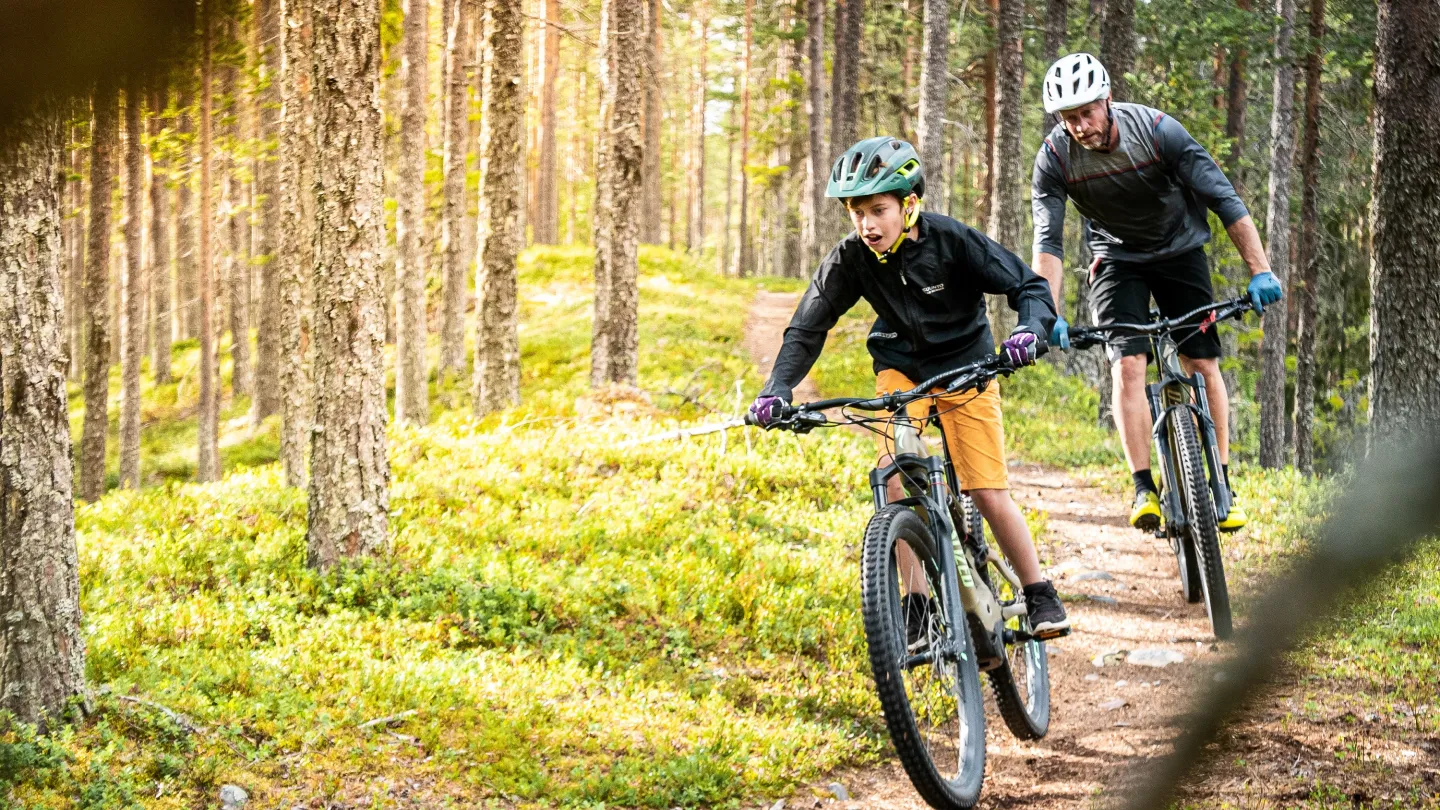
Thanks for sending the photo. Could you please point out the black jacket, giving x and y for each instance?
(929, 296)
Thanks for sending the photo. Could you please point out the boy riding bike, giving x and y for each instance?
(925, 275)
(1144, 185)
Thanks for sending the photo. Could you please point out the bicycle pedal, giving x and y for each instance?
(1050, 635)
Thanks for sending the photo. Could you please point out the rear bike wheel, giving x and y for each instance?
(924, 669)
(1200, 514)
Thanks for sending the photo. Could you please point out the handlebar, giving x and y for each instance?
(1086, 336)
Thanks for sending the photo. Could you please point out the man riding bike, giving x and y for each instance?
(925, 275)
(1143, 184)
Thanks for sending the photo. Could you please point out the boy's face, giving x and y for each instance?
(878, 219)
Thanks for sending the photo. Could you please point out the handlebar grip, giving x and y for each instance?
(750, 419)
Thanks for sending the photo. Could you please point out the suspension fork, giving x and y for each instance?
(1159, 413)
(1219, 487)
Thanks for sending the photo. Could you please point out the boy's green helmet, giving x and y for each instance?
(877, 166)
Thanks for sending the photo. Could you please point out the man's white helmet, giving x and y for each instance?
(1073, 81)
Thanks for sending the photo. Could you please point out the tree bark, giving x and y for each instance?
(207, 465)
(987, 199)
(132, 285)
(650, 166)
(695, 230)
(614, 346)
(104, 134)
(1306, 286)
(42, 648)
(187, 288)
(459, 55)
(349, 468)
(934, 86)
(546, 228)
(75, 301)
(1117, 45)
(1235, 93)
(1006, 216)
(497, 342)
(162, 317)
(1057, 23)
(236, 276)
(268, 45)
(295, 251)
(844, 98)
(412, 400)
(1404, 288)
(817, 165)
(745, 257)
(1277, 232)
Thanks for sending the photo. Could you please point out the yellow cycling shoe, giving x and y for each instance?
(1235, 521)
(1146, 514)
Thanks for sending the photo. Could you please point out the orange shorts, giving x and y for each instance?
(974, 430)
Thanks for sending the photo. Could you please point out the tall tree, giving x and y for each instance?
(76, 239)
(132, 284)
(1006, 216)
(207, 464)
(104, 135)
(614, 344)
(1306, 285)
(412, 401)
(1277, 232)
(816, 164)
(546, 228)
(460, 44)
(987, 204)
(1117, 45)
(1404, 288)
(695, 217)
(844, 96)
(1235, 93)
(497, 342)
(236, 274)
(1057, 21)
(268, 38)
(187, 249)
(745, 257)
(295, 247)
(162, 315)
(349, 468)
(934, 87)
(650, 166)
(42, 649)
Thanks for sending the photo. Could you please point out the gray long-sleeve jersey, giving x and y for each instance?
(1145, 200)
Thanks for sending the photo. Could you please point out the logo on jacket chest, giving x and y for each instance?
(932, 289)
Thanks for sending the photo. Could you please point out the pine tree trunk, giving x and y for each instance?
(695, 219)
(162, 314)
(745, 257)
(1057, 20)
(497, 342)
(817, 163)
(1277, 231)
(187, 287)
(1117, 45)
(295, 250)
(207, 465)
(987, 198)
(1404, 287)
(268, 392)
(1306, 286)
(42, 648)
(104, 136)
(459, 54)
(725, 259)
(844, 99)
(1235, 93)
(547, 217)
(349, 468)
(132, 285)
(614, 346)
(1006, 216)
(934, 87)
(75, 302)
(412, 400)
(236, 276)
(650, 165)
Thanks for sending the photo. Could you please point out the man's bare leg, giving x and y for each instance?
(1132, 410)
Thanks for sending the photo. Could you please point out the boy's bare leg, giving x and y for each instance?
(1011, 531)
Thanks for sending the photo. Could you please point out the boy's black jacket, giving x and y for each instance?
(929, 297)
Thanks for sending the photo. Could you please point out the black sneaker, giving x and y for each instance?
(918, 610)
(1046, 614)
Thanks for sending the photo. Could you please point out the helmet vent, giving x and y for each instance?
(876, 164)
(855, 163)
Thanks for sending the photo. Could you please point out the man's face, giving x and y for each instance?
(1089, 124)
(878, 219)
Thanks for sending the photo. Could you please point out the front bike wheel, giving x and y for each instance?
(924, 669)
(1200, 513)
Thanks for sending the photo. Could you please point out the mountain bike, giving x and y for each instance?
(1194, 495)
(926, 654)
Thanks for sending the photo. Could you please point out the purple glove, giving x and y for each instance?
(766, 410)
(1020, 348)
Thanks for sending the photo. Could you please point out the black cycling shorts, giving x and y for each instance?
(1120, 293)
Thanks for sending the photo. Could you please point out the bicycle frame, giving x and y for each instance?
(1167, 397)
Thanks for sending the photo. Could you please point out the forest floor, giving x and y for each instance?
(1122, 593)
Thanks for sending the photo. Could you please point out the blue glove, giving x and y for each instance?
(1060, 333)
(1021, 347)
(766, 410)
(1264, 290)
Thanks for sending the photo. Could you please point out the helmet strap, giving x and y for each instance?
(912, 216)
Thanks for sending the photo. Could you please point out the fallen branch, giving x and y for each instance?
(178, 718)
(385, 721)
(686, 433)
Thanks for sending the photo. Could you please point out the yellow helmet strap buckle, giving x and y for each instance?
(912, 216)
